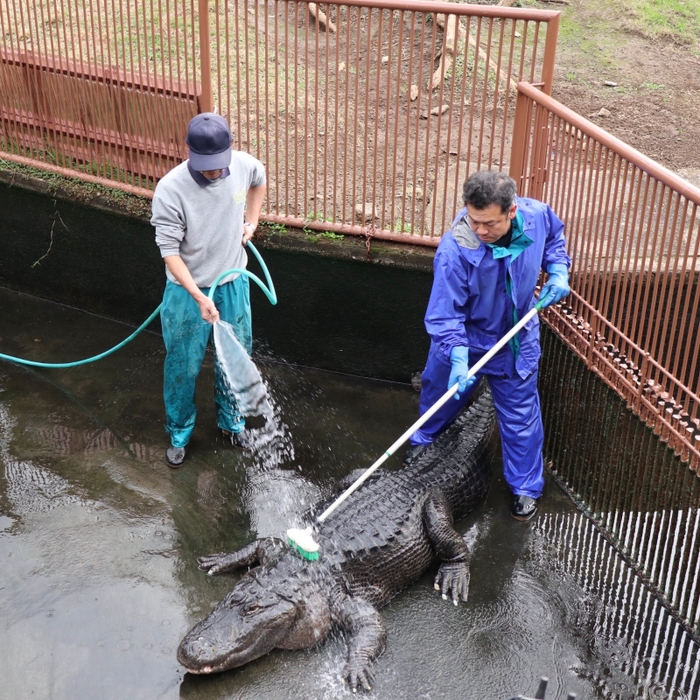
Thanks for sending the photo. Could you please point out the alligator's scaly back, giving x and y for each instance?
(460, 458)
(383, 525)
(456, 462)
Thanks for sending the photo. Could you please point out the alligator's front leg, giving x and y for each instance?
(366, 636)
(258, 552)
(453, 575)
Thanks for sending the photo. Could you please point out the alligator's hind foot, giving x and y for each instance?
(453, 580)
(358, 674)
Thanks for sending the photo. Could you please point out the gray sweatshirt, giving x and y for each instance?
(203, 224)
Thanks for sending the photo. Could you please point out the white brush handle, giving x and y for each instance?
(428, 414)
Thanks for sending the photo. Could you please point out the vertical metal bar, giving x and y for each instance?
(318, 208)
(416, 221)
(409, 109)
(521, 136)
(507, 92)
(550, 50)
(288, 133)
(588, 200)
(438, 134)
(691, 277)
(335, 178)
(346, 100)
(273, 198)
(207, 99)
(382, 188)
(328, 135)
(483, 90)
(365, 124)
(428, 132)
(305, 136)
(215, 63)
(374, 190)
(394, 175)
(496, 93)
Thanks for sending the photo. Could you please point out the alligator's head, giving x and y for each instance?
(245, 625)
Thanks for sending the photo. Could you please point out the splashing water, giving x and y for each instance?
(269, 444)
(241, 374)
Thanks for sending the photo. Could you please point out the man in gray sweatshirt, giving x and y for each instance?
(205, 210)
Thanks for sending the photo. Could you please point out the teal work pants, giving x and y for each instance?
(186, 338)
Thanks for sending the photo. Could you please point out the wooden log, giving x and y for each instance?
(321, 19)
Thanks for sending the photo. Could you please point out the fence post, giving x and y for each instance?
(550, 50)
(519, 147)
(206, 99)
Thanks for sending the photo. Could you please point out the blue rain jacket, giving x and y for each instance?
(480, 291)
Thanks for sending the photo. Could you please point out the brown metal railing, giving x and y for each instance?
(100, 89)
(363, 130)
(633, 231)
(367, 123)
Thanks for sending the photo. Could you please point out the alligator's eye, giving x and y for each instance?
(252, 608)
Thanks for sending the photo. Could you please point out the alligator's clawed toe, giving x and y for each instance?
(453, 580)
(358, 677)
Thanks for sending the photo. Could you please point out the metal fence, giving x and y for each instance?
(98, 89)
(642, 496)
(633, 232)
(367, 115)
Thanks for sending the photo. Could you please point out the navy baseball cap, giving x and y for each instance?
(209, 139)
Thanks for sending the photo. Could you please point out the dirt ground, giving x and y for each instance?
(655, 104)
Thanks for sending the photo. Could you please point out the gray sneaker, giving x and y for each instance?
(175, 456)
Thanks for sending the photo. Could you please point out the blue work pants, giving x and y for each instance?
(186, 337)
(517, 405)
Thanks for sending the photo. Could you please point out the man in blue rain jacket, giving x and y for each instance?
(485, 271)
(198, 214)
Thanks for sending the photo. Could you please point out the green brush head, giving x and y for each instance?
(301, 541)
(311, 556)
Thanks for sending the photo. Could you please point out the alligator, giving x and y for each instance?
(377, 542)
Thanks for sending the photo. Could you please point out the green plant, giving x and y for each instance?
(332, 236)
(652, 86)
(678, 20)
(402, 226)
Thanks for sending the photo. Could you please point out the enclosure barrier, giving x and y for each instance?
(367, 115)
(628, 614)
(633, 232)
(102, 90)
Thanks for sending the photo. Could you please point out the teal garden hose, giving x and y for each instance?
(268, 290)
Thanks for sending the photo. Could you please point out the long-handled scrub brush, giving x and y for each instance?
(302, 540)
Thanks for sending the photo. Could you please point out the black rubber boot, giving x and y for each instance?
(523, 508)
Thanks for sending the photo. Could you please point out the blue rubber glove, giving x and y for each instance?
(459, 357)
(557, 285)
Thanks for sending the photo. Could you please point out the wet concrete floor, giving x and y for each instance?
(99, 539)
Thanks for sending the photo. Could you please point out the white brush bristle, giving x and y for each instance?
(303, 539)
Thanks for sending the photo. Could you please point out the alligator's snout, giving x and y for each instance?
(241, 628)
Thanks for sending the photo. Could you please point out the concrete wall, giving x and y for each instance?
(337, 310)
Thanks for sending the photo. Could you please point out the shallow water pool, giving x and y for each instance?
(99, 539)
